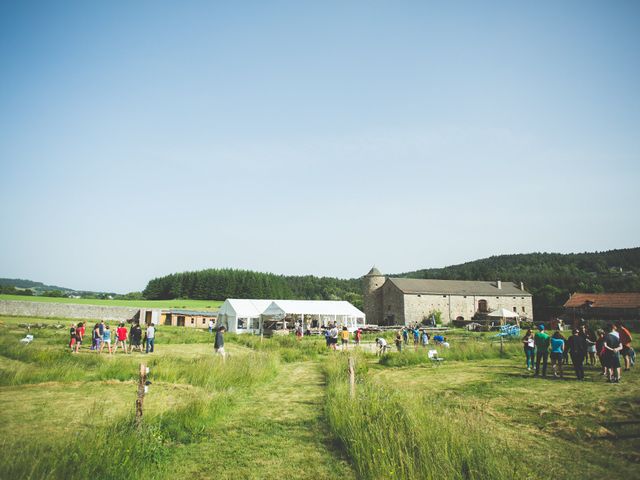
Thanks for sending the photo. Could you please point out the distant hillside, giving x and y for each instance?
(551, 277)
(21, 283)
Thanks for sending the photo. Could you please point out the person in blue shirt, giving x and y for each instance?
(557, 351)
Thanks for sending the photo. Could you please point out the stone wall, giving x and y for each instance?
(393, 307)
(66, 310)
(417, 307)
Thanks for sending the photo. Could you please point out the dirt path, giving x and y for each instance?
(275, 432)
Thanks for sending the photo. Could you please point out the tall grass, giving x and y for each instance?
(288, 347)
(390, 435)
(124, 451)
(466, 350)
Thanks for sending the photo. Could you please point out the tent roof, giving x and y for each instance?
(503, 313)
(313, 307)
(242, 307)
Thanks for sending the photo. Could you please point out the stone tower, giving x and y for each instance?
(372, 295)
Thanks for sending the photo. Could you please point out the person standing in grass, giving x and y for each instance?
(600, 350)
(106, 339)
(529, 348)
(416, 337)
(151, 338)
(399, 339)
(358, 336)
(333, 335)
(121, 338)
(425, 338)
(344, 336)
(405, 335)
(135, 337)
(541, 340)
(625, 340)
(591, 348)
(97, 338)
(577, 348)
(72, 339)
(218, 344)
(211, 325)
(612, 347)
(80, 331)
(557, 353)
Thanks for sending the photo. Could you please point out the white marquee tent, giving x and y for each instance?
(241, 315)
(249, 316)
(316, 313)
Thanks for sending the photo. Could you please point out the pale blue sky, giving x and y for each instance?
(139, 139)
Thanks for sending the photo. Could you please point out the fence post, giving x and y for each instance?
(501, 346)
(352, 378)
(140, 400)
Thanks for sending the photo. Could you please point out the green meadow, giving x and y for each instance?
(167, 304)
(282, 408)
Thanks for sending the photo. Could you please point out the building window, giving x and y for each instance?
(180, 321)
(192, 320)
(444, 296)
(482, 306)
(419, 295)
(523, 309)
(203, 321)
(515, 309)
(464, 296)
(242, 324)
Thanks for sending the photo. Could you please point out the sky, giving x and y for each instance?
(142, 138)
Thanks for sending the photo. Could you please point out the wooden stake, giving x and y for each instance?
(140, 400)
(352, 378)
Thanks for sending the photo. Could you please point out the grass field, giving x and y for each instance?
(279, 408)
(177, 303)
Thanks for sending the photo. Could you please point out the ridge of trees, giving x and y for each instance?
(550, 277)
(220, 284)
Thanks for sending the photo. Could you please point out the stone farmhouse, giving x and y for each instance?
(406, 301)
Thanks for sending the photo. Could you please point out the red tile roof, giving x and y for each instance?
(605, 300)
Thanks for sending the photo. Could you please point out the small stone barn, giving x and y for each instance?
(187, 318)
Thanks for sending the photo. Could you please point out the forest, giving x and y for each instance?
(550, 277)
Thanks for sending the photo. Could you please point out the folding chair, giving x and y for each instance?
(433, 356)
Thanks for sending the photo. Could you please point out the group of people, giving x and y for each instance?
(102, 337)
(420, 338)
(332, 335)
(582, 346)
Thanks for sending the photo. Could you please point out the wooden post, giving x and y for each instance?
(352, 378)
(501, 346)
(140, 400)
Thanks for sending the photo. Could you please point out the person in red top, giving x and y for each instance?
(121, 338)
(79, 335)
(625, 340)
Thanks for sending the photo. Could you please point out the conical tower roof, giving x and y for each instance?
(374, 272)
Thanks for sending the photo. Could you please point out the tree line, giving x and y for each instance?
(220, 284)
(551, 277)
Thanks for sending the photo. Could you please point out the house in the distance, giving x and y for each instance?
(608, 307)
(407, 301)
